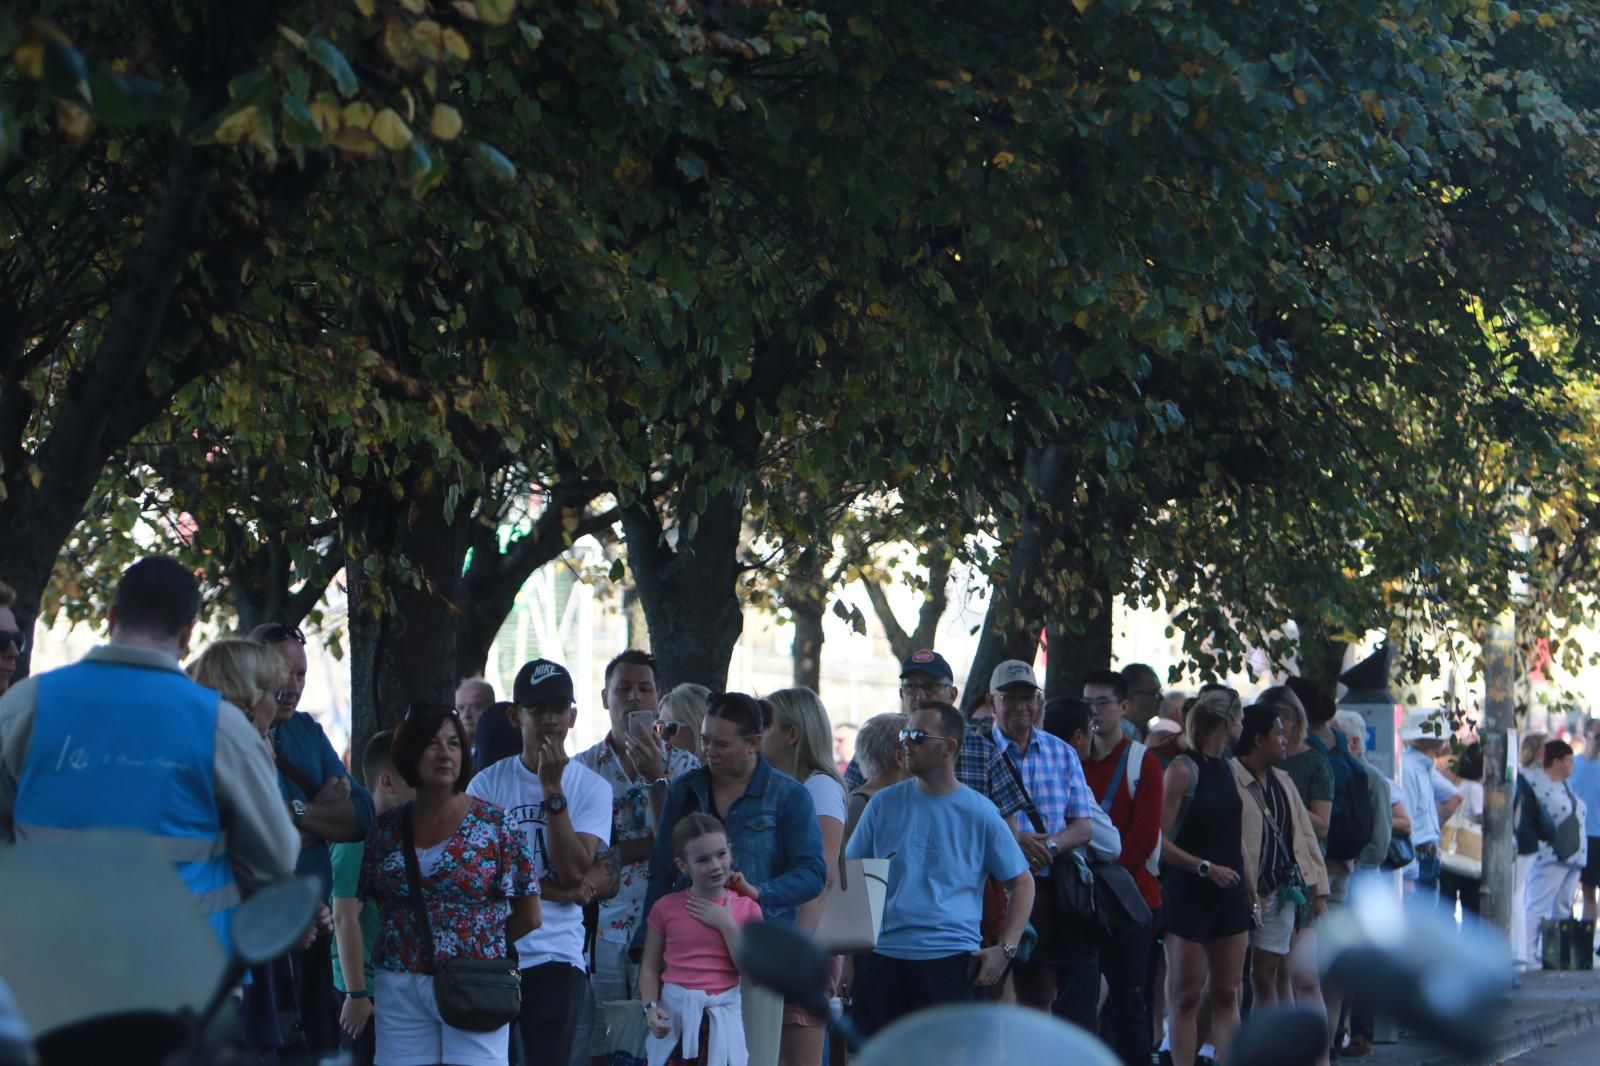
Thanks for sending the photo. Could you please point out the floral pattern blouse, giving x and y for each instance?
(482, 867)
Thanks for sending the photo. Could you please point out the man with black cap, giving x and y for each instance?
(925, 675)
(565, 808)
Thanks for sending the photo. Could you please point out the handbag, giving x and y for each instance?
(852, 911)
(1402, 852)
(478, 995)
(1072, 882)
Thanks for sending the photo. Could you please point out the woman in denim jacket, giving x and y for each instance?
(772, 831)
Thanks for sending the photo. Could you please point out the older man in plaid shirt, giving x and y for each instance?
(1052, 778)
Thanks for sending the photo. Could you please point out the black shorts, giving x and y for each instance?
(1199, 910)
(1591, 869)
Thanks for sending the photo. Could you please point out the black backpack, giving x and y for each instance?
(1350, 824)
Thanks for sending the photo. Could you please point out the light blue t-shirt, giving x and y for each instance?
(1416, 777)
(1585, 784)
(939, 849)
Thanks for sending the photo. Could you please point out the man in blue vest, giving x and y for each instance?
(124, 740)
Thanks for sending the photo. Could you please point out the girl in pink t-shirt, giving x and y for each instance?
(688, 979)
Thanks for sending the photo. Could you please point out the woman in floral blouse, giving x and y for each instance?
(478, 881)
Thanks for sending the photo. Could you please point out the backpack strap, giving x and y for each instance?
(1136, 750)
(1116, 779)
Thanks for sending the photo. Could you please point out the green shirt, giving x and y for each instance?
(1311, 773)
(346, 875)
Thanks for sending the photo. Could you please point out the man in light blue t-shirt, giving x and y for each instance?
(942, 839)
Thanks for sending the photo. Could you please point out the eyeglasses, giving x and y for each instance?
(917, 736)
(925, 688)
(18, 639)
(275, 634)
(1103, 701)
(669, 728)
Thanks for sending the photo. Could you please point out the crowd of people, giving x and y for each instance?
(614, 882)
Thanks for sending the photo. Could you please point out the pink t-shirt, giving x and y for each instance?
(696, 956)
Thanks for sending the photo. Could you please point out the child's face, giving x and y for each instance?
(707, 861)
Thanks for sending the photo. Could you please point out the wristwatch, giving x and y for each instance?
(648, 1007)
(1204, 869)
(1008, 950)
(660, 784)
(297, 811)
(555, 804)
(359, 993)
(1052, 847)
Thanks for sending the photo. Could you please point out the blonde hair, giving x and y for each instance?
(1282, 699)
(1213, 709)
(686, 703)
(803, 709)
(1532, 751)
(242, 670)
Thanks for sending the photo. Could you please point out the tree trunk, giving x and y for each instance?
(934, 602)
(689, 588)
(1072, 655)
(1022, 599)
(405, 564)
(808, 637)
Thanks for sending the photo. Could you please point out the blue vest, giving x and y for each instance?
(118, 746)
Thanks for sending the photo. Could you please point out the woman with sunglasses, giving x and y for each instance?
(772, 832)
(479, 887)
(682, 713)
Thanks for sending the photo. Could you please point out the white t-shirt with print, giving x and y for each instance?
(511, 785)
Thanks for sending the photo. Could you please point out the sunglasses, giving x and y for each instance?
(276, 634)
(917, 736)
(670, 729)
(18, 639)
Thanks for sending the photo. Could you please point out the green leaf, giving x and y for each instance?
(126, 101)
(66, 76)
(333, 61)
(253, 88)
(495, 160)
(532, 34)
(299, 128)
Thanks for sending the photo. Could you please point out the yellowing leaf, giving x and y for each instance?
(1134, 75)
(497, 12)
(877, 310)
(1300, 96)
(292, 37)
(1363, 194)
(239, 126)
(1546, 21)
(367, 7)
(391, 130)
(1004, 159)
(326, 115)
(456, 44)
(428, 37)
(358, 114)
(75, 123)
(1082, 5)
(468, 10)
(825, 121)
(355, 141)
(446, 122)
(29, 57)
(416, 7)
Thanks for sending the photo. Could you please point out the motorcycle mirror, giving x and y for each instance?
(787, 961)
(980, 1034)
(1448, 983)
(271, 921)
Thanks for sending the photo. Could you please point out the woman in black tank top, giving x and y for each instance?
(1204, 902)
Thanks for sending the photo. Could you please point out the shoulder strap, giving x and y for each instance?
(1027, 798)
(1116, 778)
(1136, 752)
(414, 885)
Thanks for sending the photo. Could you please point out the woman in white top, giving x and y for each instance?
(799, 741)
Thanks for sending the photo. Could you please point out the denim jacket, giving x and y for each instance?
(772, 832)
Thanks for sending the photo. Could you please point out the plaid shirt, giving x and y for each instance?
(978, 767)
(1053, 774)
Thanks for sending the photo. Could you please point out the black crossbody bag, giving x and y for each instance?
(478, 995)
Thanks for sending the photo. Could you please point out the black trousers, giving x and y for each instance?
(553, 1005)
(888, 989)
(316, 1001)
(1125, 1022)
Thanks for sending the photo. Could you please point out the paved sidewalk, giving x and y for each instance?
(1547, 1008)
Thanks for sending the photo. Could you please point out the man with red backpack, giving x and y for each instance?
(1126, 780)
